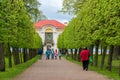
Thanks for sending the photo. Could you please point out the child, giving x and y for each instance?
(56, 53)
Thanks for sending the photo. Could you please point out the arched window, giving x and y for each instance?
(48, 30)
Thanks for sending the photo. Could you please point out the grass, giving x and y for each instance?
(110, 74)
(10, 73)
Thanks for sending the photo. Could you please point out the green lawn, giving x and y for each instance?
(112, 75)
(10, 73)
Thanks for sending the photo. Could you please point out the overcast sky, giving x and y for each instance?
(50, 10)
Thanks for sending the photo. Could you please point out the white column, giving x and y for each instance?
(55, 39)
(43, 36)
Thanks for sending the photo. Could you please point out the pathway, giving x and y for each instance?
(58, 70)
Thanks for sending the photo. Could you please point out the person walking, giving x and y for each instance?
(84, 54)
(48, 52)
(56, 54)
(40, 52)
(59, 54)
(52, 54)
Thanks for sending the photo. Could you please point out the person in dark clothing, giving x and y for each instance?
(59, 54)
(52, 54)
(84, 54)
(48, 53)
(40, 53)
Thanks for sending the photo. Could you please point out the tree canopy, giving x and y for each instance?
(16, 27)
(96, 20)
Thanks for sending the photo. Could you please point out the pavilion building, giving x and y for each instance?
(49, 30)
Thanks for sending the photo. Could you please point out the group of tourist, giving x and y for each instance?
(50, 53)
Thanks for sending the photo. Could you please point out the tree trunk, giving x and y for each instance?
(34, 53)
(91, 53)
(101, 50)
(9, 56)
(96, 54)
(119, 51)
(72, 53)
(63, 51)
(75, 54)
(30, 52)
(103, 57)
(79, 58)
(24, 54)
(116, 53)
(16, 56)
(2, 59)
(21, 54)
(66, 53)
(109, 66)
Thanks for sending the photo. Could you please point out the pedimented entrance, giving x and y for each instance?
(49, 37)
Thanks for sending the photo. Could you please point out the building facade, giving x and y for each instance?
(49, 30)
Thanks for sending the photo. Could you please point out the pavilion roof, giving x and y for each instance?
(54, 23)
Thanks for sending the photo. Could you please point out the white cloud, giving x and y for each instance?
(50, 9)
(52, 3)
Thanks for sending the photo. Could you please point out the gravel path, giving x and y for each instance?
(58, 70)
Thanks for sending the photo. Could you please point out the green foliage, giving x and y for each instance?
(96, 20)
(16, 27)
(72, 6)
(60, 43)
(37, 41)
(8, 21)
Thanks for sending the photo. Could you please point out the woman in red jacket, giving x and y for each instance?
(84, 54)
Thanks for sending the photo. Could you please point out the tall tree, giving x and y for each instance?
(72, 6)
(32, 7)
(7, 21)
